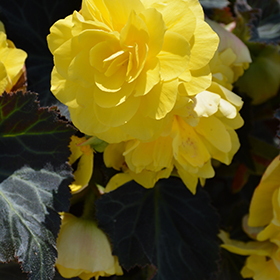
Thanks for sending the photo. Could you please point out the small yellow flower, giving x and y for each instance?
(11, 62)
(263, 226)
(119, 64)
(84, 250)
(84, 156)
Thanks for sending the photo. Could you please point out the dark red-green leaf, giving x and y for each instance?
(30, 135)
(29, 222)
(258, 20)
(165, 226)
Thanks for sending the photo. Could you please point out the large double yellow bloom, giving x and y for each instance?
(122, 65)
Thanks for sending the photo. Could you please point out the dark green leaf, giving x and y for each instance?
(210, 4)
(11, 271)
(230, 266)
(29, 223)
(165, 226)
(27, 24)
(30, 135)
(258, 20)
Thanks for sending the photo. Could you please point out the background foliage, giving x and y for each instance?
(162, 233)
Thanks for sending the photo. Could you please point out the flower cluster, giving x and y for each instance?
(11, 62)
(263, 226)
(202, 128)
(138, 75)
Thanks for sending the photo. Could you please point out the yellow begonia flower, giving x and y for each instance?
(231, 59)
(84, 250)
(119, 64)
(263, 225)
(84, 156)
(205, 130)
(11, 62)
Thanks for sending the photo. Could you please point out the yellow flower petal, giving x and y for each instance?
(3, 78)
(259, 268)
(261, 211)
(164, 96)
(187, 146)
(200, 51)
(206, 103)
(195, 81)
(249, 248)
(107, 116)
(60, 33)
(189, 179)
(120, 10)
(117, 181)
(215, 132)
(174, 56)
(84, 250)
(156, 30)
(149, 77)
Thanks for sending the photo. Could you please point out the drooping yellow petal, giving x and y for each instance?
(261, 211)
(189, 179)
(250, 248)
(113, 155)
(84, 250)
(118, 180)
(215, 132)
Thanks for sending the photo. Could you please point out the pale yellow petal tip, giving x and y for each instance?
(84, 155)
(2, 28)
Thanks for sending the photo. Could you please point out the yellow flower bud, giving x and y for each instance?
(84, 250)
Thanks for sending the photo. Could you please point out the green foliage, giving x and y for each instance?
(165, 226)
(35, 179)
(30, 135)
(30, 201)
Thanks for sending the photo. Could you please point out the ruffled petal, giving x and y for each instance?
(160, 100)
(215, 132)
(174, 56)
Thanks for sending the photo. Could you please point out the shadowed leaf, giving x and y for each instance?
(165, 226)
